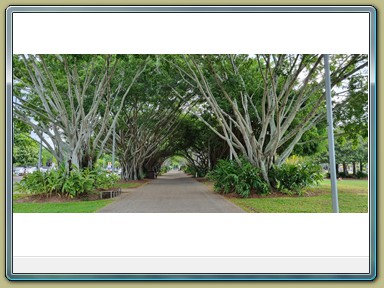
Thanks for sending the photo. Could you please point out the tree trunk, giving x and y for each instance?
(337, 169)
(361, 166)
(354, 168)
(345, 168)
(141, 172)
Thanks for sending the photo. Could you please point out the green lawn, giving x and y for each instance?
(65, 207)
(127, 185)
(353, 198)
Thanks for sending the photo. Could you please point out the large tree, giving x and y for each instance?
(265, 103)
(148, 119)
(68, 99)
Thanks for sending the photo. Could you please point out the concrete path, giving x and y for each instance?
(174, 192)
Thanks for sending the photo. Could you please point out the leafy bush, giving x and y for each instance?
(192, 170)
(360, 174)
(292, 178)
(242, 179)
(163, 170)
(70, 183)
(343, 175)
(104, 179)
(33, 183)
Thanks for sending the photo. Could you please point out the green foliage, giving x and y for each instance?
(105, 180)
(242, 179)
(195, 170)
(361, 174)
(292, 177)
(72, 184)
(352, 112)
(79, 182)
(163, 170)
(34, 183)
(25, 150)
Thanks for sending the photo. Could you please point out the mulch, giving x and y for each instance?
(56, 198)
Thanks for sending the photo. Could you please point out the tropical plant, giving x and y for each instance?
(72, 183)
(242, 179)
(293, 177)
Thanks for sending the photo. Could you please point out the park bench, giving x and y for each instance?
(112, 193)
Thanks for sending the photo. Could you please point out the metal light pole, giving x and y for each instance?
(113, 148)
(40, 153)
(230, 137)
(331, 140)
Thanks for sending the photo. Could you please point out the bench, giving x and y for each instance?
(112, 193)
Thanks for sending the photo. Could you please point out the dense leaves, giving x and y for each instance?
(265, 103)
(242, 179)
(72, 183)
(293, 178)
(258, 108)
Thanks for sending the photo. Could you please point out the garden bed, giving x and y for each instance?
(55, 198)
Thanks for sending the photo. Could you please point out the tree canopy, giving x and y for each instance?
(204, 107)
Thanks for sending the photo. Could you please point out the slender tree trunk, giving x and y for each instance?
(337, 169)
(345, 168)
(141, 172)
(354, 168)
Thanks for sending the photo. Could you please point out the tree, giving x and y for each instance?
(351, 111)
(351, 150)
(25, 150)
(149, 117)
(200, 146)
(265, 103)
(69, 98)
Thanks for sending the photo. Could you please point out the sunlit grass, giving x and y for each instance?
(127, 185)
(65, 207)
(353, 198)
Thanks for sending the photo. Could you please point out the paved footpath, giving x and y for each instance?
(174, 192)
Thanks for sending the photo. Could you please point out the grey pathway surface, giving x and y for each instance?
(174, 192)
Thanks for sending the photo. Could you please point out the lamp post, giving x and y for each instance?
(113, 148)
(331, 140)
(230, 137)
(40, 153)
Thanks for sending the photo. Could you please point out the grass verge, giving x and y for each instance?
(128, 185)
(65, 207)
(353, 198)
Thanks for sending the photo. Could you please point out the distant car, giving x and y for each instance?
(29, 170)
(44, 169)
(18, 171)
(118, 172)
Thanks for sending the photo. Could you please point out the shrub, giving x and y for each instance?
(104, 179)
(342, 175)
(242, 179)
(192, 170)
(33, 183)
(79, 182)
(72, 184)
(294, 177)
(55, 179)
(163, 170)
(360, 174)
